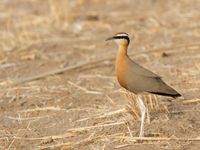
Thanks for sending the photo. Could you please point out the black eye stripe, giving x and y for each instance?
(122, 37)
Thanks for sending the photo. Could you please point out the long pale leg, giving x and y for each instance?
(143, 111)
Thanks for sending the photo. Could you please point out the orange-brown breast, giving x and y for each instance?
(121, 67)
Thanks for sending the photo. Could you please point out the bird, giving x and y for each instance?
(137, 79)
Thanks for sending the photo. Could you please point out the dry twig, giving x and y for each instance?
(94, 62)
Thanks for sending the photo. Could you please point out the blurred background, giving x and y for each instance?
(57, 80)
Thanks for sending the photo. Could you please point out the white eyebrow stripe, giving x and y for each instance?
(122, 34)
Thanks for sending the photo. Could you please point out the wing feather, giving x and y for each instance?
(136, 68)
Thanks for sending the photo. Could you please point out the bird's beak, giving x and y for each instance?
(110, 38)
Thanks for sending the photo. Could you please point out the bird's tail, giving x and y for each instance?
(166, 90)
(167, 94)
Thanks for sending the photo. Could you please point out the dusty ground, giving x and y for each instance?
(76, 102)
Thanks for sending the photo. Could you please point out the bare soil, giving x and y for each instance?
(57, 83)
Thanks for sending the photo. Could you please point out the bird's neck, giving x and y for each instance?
(121, 55)
(121, 65)
(122, 50)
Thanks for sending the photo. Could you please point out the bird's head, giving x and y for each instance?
(122, 39)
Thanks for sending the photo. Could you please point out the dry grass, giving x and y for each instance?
(57, 82)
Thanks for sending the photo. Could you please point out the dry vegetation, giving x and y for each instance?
(57, 82)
